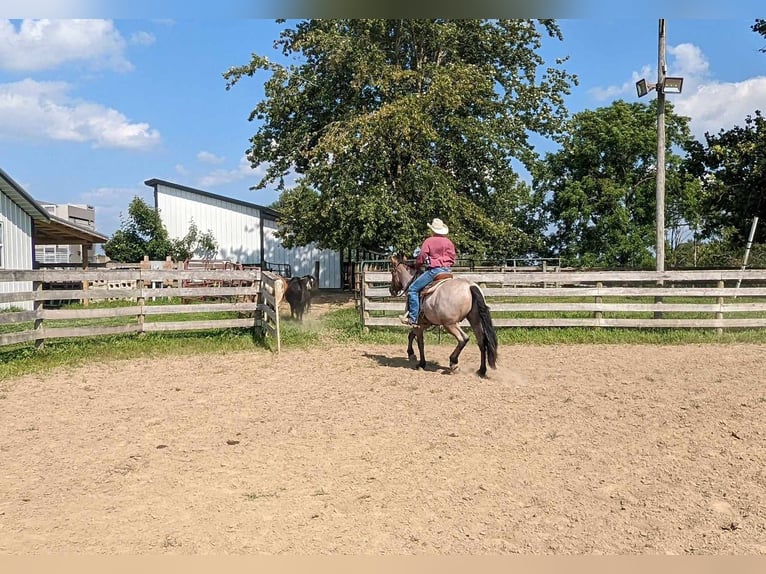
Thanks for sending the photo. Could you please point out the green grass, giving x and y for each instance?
(337, 327)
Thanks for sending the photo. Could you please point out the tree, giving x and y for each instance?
(760, 28)
(389, 123)
(731, 166)
(601, 185)
(141, 233)
(204, 245)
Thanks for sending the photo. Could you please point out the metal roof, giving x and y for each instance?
(48, 229)
(155, 182)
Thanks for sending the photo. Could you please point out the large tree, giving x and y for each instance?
(389, 123)
(601, 185)
(731, 166)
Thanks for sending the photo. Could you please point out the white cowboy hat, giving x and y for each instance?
(438, 227)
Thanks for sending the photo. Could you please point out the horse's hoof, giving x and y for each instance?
(411, 357)
(454, 368)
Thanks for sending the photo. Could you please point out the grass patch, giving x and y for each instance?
(341, 326)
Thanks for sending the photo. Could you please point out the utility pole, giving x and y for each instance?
(660, 224)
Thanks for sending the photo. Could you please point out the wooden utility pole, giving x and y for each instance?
(661, 149)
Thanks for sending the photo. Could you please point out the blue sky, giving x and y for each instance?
(91, 109)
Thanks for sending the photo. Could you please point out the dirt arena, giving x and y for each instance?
(348, 450)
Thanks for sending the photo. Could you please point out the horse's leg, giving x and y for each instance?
(410, 351)
(462, 341)
(421, 347)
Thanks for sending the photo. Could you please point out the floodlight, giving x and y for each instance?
(643, 87)
(672, 85)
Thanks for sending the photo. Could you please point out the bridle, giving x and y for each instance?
(396, 281)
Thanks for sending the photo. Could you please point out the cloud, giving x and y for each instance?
(223, 176)
(111, 203)
(47, 44)
(717, 105)
(711, 105)
(142, 38)
(207, 157)
(31, 110)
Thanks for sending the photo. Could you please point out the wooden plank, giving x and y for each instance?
(593, 276)
(62, 332)
(200, 275)
(197, 325)
(17, 297)
(93, 294)
(18, 337)
(197, 292)
(492, 292)
(553, 307)
(12, 317)
(200, 308)
(19, 275)
(90, 313)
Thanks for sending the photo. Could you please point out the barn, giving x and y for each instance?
(245, 232)
(25, 223)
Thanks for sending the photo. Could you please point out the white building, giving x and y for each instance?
(244, 231)
(24, 223)
(82, 215)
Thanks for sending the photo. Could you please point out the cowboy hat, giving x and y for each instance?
(438, 227)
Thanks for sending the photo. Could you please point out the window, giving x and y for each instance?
(1, 244)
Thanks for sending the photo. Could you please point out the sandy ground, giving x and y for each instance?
(562, 450)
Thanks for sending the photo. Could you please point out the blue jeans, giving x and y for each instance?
(420, 283)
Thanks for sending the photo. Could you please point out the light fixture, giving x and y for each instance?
(672, 85)
(643, 87)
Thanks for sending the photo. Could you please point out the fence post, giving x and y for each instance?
(37, 287)
(141, 301)
(598, 314)
(719, 314)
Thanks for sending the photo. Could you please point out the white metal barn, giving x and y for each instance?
(244, 231)
(25, 223)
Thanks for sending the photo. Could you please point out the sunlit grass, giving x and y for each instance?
(338, 327)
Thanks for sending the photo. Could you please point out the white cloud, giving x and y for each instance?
(711, 105)
(142, 38)
(31, 110)
(46, 44)
(207, 157)
(717, 105)
(224, 176)
(111, 203)
(181, 169)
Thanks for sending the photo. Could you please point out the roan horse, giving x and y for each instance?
(447, 303)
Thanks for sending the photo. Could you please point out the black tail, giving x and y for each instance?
(490, 337)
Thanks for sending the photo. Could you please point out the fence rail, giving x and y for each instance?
(625, 299)
(241, 299)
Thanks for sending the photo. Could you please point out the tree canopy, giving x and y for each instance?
(731, 166)
(143, 233)
(601, 185)
(760, 28)
(389, 123)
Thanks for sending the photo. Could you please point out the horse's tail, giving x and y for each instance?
(485, 320)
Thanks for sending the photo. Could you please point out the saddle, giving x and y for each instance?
(435, 284)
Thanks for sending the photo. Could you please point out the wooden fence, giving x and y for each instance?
(634, 299)
(247, 299)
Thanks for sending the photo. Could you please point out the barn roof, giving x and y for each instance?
(272, 214)
(48, 229)
(21, 198)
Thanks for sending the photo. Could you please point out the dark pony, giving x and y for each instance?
(447, 303)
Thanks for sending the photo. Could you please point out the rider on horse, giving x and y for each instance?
(438, 254)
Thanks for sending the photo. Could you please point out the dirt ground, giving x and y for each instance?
(349, 450)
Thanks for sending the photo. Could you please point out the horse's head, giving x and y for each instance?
(401, 275)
